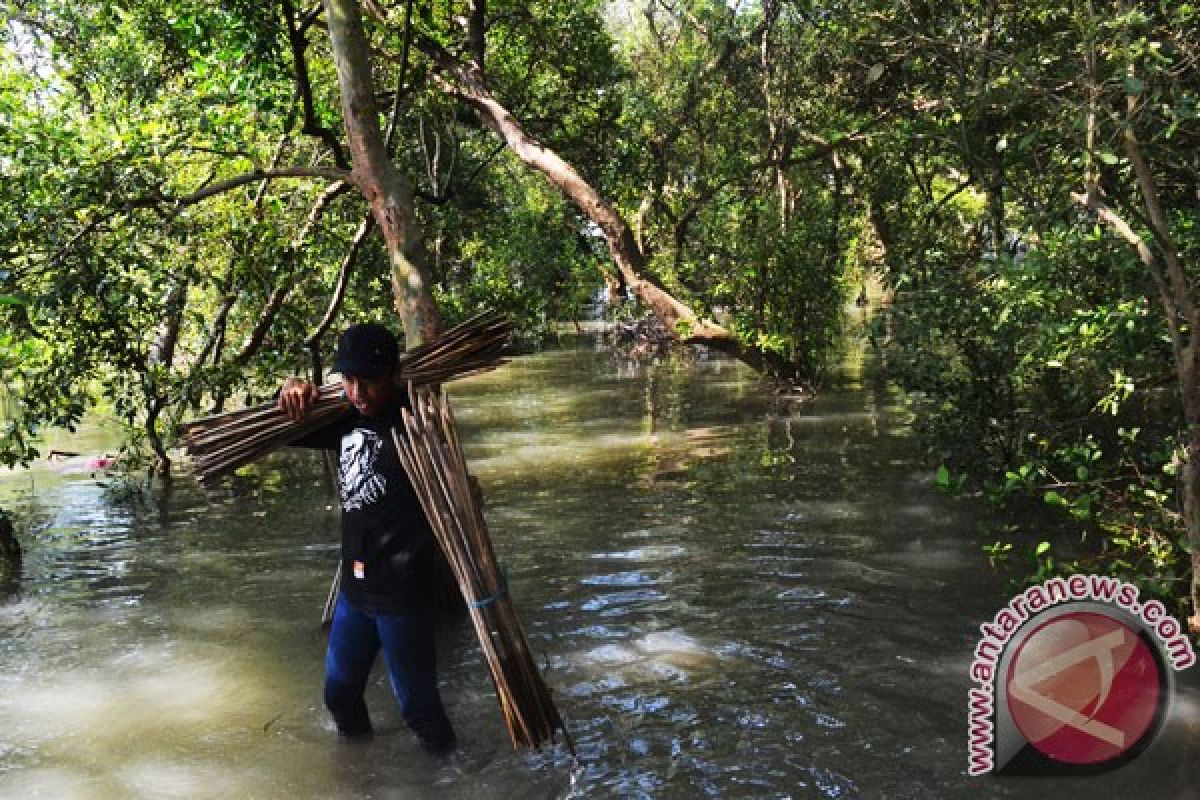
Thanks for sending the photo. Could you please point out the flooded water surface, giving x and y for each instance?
(732, 595)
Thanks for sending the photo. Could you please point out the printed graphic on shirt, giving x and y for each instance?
(361, 483)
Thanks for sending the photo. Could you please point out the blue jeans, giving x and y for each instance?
(408, 647)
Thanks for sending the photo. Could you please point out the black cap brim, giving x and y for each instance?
(360, 369)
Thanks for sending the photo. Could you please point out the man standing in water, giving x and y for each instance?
(387, 597)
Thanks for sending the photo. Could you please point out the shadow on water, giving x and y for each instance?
(733, 596)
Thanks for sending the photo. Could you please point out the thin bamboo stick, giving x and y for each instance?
(233, 422)
(246, 449)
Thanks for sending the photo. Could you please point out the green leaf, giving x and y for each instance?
(943, 477)
(1053, 498)
(1108, 158)
(11, 300)
(1042, 548)
(1134, 85)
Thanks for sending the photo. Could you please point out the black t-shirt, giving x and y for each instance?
(388, 549)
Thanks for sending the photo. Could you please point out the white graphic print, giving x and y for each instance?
(361, 484)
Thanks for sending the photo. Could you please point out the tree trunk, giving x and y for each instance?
(989, 160)
(677, 318)
(387, 192)
(10, 551)
(160, 359)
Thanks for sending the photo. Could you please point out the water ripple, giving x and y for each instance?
(615, 603)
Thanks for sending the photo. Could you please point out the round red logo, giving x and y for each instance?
(1084, 688)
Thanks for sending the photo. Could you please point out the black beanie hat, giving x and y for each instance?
(366, 350)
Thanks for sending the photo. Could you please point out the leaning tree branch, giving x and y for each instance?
(476, 28)
(280, 294)
(266, 318)
(331, 193)
(464, 82)
(343, 280)
(389, 138)
(681, 322)
(229, 184)
(1123, 229)
(298, 44)
(1159, 226)
(216, 337)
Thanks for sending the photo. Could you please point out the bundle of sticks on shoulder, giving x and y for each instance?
(221, 443)
(430, 452)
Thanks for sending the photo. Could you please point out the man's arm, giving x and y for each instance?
(296, 398)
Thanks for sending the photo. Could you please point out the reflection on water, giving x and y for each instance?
(732, 597)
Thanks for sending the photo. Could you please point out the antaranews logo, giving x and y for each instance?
(1073, 675)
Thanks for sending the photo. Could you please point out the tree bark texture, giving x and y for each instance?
(388, 193)
(677, 317)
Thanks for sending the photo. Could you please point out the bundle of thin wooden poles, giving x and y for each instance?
(430, 451)
(221, 443)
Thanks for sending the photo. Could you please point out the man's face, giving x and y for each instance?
(371, 396)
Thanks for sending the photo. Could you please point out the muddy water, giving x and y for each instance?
(733, 596)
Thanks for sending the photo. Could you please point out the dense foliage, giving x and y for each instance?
(1037, 330)
(1022, 179)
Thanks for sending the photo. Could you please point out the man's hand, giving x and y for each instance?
(296, 397)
